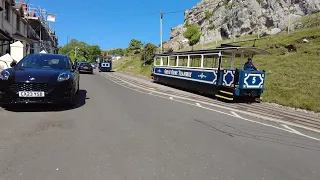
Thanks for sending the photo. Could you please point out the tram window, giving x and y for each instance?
(226, 62)
(195, 61)
(210, 61)
(158, 61)
(183, 60)
(238, 63)
(173, 60)
(165, 61)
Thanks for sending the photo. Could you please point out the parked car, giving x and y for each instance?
(40, 78)
(85, 67)
(94, 66)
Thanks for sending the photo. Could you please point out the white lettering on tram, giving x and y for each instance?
(178, 73)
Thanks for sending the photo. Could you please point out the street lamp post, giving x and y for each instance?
(75, 51)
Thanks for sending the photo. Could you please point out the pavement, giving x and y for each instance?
(118, 132)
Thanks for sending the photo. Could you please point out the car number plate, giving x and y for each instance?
(31, 94)
(85, 67)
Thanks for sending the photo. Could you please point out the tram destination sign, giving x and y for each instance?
(206, 76)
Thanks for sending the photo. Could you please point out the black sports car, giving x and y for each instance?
(85, 67)
(40, 78)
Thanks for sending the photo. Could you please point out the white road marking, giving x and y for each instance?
(235, 114)
(221, 112)
(236, 110)
(198, 104)
(291, 129)
(299, 133)
(171, 98)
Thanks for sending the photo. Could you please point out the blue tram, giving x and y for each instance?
(217, 72)
(105, 65)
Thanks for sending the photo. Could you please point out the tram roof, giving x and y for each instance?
(238, 50)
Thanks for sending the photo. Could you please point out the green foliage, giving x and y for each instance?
(311, 20)
(186, 24)
(85, 52)
(291, 77)
(208, 15)
(119, 51)
(92, 52)
(193, 34)
(211, 27)
(227, 5)
(135, 44)
(260, 2)
(150, 51)
(132, 64)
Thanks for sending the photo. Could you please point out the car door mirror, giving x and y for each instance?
(13, 64)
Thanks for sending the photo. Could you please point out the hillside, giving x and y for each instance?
(226, 19)
(292, 77)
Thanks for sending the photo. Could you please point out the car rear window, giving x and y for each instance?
(85, 64)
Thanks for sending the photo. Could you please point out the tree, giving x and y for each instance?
(92, 52)
(85, 52)
(150, 50)
(135, 44)
(193, 34)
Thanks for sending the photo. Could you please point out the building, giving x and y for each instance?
(19, 22)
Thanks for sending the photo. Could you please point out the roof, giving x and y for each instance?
(224, 50)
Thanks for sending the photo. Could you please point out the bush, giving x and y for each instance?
(150, 50)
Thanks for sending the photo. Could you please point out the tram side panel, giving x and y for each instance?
(251, 83)
(203, 81)
(239, 83)
(242, 83)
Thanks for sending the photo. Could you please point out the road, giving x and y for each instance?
(121, 134)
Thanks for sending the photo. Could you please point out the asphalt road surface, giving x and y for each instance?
(119, 134)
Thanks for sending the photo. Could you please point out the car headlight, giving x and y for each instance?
(63, 77)
(5, 75)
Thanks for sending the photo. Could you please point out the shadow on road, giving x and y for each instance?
(81, 100)
(87, 73)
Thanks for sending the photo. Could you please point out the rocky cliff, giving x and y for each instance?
(221, 19)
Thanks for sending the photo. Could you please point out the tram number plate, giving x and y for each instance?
(31, 94)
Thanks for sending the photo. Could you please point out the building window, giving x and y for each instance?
(18, 23)
(31, 49)
(7, 11)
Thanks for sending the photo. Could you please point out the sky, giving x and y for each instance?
(113, 23)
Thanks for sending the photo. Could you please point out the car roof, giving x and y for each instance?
(47, 54)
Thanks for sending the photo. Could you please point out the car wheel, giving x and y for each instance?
(72, 101)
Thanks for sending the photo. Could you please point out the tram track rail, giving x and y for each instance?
(300, 118)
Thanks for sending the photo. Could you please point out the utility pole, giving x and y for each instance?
(144, 56)
(161, 16)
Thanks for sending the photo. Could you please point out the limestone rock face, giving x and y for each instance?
(221, 19)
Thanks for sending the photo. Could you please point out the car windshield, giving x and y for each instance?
(44, 61)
